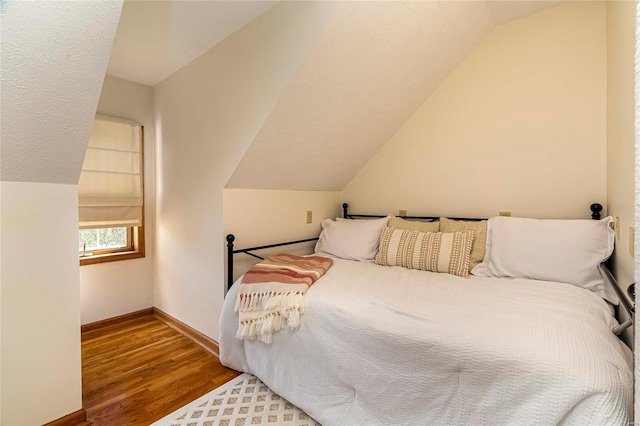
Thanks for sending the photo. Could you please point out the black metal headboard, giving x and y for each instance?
(595, 214)
(347, 215)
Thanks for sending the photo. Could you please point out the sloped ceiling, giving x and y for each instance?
(156, 38)
(369, 70)
(54, 58)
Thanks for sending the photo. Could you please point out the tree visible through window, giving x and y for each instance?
(102, 239)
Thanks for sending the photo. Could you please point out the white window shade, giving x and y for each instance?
(110, 187)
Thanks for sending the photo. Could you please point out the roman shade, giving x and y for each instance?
(110, 186)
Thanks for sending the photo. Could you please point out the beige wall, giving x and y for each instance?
(621, 28)
(111, 289)
(519, 126)
(206, 115)
(261, 217)
(41, 366)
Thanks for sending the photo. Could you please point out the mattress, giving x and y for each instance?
(392, 346)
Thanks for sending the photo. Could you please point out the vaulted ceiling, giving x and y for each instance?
(370, 68)
(373, 65)
(156, 38)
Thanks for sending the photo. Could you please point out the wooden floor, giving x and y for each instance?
(142, 370)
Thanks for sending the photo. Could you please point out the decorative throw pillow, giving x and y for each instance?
(479, 229)
(428, 251)
(350, 239)
(566, 251)
(414, 225)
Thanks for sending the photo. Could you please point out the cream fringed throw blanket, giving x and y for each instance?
(271, 294)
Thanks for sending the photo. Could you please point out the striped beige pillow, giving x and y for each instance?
(479, 229)
(447, 252)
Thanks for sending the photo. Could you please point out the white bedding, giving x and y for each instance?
(391, 346)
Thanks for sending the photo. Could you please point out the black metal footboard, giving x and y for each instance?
(231, 251)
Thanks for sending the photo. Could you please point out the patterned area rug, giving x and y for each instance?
(244, 400)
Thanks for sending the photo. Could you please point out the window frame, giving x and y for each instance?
(136, 237)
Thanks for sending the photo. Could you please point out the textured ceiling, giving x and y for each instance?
(54, 58)
(156, 38)
(369, 70)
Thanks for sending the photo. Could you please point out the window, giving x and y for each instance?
(111, 192)
(103, 239)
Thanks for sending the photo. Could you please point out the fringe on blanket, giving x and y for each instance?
(274, 311)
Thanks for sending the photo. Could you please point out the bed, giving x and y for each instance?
(392, 345)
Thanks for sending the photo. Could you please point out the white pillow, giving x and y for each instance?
(351, 239)
(567, 251)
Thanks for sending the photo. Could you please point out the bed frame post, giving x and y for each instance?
(345, 206)
(230, 239)
(595, 211)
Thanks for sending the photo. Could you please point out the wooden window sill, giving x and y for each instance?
(110, 257)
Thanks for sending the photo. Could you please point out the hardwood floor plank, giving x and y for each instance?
(115, 329)
(117, 320)
(139, 371)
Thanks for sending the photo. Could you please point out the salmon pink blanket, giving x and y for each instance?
(271, 294)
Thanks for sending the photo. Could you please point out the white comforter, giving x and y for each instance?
(392, 346)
